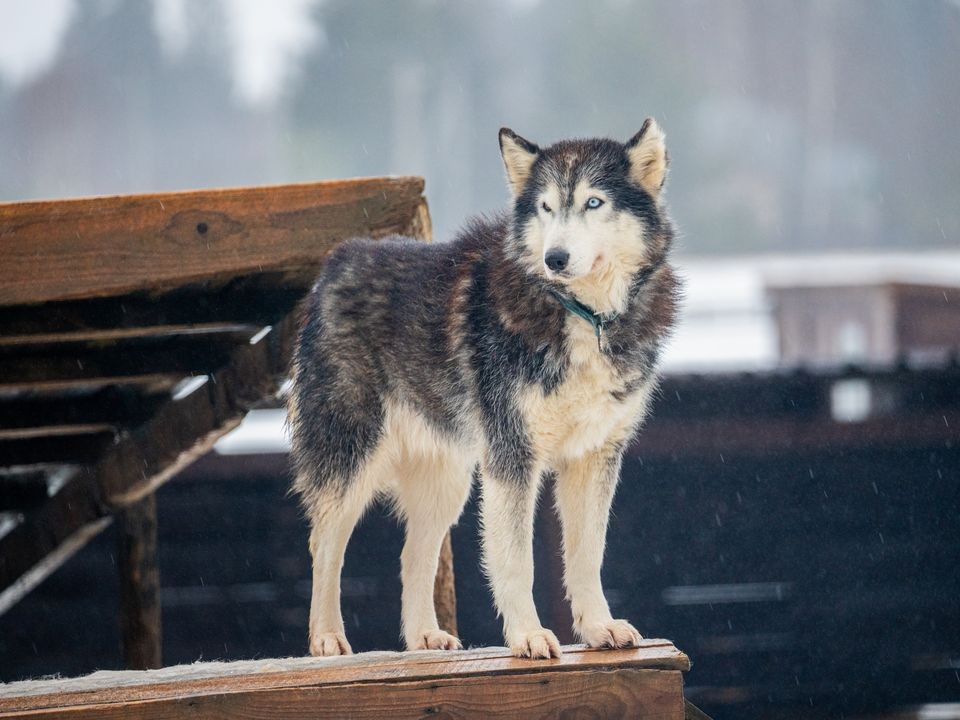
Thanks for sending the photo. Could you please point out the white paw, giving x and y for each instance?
(434, 640)
(610, 634)
(536, 644)
(329, 644)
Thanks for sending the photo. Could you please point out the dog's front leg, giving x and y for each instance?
(584, 493)
(507, 508)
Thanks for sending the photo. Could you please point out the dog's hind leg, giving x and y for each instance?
(430, 496)
(333, 515)
(584, 493)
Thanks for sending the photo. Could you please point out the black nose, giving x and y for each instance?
(556, 259)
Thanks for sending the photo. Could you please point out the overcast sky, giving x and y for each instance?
(265, 38)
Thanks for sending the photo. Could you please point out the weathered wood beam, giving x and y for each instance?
(27, 492)
(66, 449)
(285, 230)
(47, 537)
(140, 626)
(68, 366)
(108, 246)
(194, 309)
(488, 683)
(40, 431)
(179, 432)
(112, 406)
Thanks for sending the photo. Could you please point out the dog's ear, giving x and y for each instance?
(518, 157)
(647, 152)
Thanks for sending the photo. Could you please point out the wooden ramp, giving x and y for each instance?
(646, 682)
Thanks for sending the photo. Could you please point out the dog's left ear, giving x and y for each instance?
(518, 158)
(647, 152)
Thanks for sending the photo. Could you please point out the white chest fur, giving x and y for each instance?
(587, 410)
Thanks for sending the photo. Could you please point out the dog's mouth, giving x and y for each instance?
(566, 276)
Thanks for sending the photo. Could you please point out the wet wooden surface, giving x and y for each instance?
(640, 682)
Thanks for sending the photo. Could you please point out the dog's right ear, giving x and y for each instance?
(518, 157)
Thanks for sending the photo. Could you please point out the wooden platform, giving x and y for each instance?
(135, 331)
(487, 683)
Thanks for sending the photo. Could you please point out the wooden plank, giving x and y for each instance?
(140, 627)
(243, 305)
(643, 682)
(179, 432)
(651, 694)
(66, 366)
(23, 492)
(113, 406)
(47, 537)
(66, 450)
(55, 431)
(98, 247)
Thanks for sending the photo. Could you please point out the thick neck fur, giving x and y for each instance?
(607, 289)
(525, 304)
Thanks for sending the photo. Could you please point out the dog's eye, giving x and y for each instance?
(546, 208)
(593, 203)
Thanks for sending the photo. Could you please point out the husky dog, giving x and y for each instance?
(527, 345)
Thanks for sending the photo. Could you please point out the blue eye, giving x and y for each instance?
(593, 203)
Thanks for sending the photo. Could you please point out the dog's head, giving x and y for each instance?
(585, 207)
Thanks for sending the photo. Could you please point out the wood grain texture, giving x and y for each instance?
(139, 462)
(98, 247)
(244, 304)
(642, 682)
(140, 627)
(65, 366)
(76, 449)
(113, 406)
(107, 303)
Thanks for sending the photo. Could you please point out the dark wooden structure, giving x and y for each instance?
(134, 332)
(643, 682)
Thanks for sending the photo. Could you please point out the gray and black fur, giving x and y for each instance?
(456, 332)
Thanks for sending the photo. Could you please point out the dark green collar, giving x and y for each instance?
(597, 320)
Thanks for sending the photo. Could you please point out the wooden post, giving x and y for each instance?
(444, 592)
(139, 585)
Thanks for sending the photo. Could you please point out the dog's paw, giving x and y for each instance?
(329, 644)
(610, 634)
(434, 640)
(536, 644)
